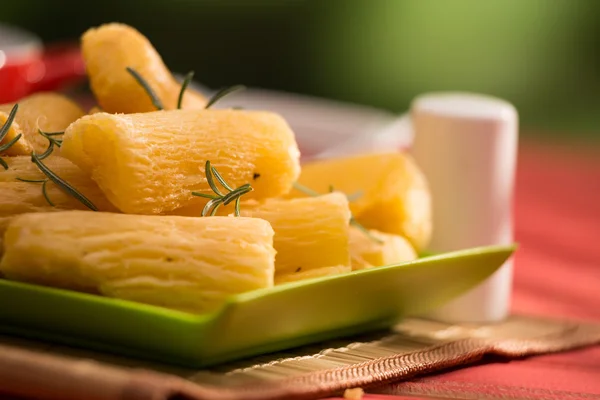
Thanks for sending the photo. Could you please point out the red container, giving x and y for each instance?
(26, 66)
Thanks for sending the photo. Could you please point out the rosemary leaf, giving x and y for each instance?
(364, 230)
(220, 179)
(44, 183)
(45, 193)
(31, 180)
(206, 196)
(144, 84)
(210, 205)
(214, 210)
(3, 163)
(50, 138)
(51, 143)
(209, 178)
(305, 190)
(11, 117)
(222, 93)
(237, 193)
(354, 196)
(237, 207)
(51, 133)
(62, 184)
(48, 151)
(8, 145)
(186, 81)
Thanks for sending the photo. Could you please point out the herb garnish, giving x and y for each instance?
(353, 221)
(4, 131)
(44, 182)
(219, 198)
(306, 190)
(354, 196)
(364, 230)
(144, 84)
(62, 184)
(222, 93)
(51, 142)
(186, 81)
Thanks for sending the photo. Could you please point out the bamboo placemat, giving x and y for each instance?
(414, 347)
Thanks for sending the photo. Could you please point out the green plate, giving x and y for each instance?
(251, 323)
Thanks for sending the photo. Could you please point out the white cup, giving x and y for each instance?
(466, 144)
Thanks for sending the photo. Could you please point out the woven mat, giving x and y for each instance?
(414, 347)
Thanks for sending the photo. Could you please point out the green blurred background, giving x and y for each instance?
(542, 55)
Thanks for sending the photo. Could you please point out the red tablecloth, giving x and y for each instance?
(557, 273)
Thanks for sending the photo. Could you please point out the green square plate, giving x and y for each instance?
(251, 323)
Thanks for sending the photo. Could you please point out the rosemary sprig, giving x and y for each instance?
(354, 196)
(353, 221)
(358, 225)
(50, 137)
(44, 182)
(48, 151)
(51, 142)
(222, 93)
(219, 198)
(4, 131)
(6, 147)
(186, 81)
(51, 133)
(9, 121)
(364, 230)
(62, 184)
(305, 190)
(144, 84)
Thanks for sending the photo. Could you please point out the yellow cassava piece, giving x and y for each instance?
(111, 48)
(21, 146)
(392, 193)
(310, 233)
(48, 111)
(149, 163)
(386, 250)
(183, 263)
